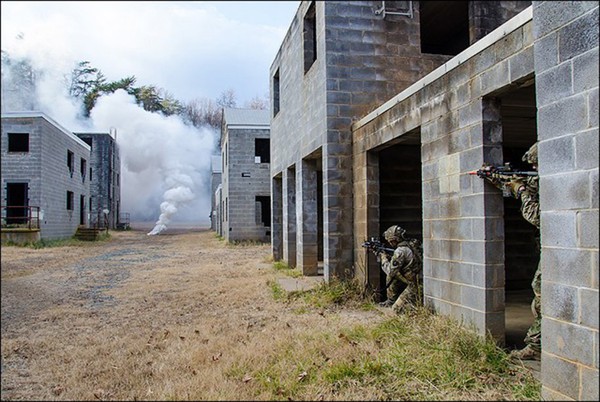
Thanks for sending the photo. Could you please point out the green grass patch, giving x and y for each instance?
(277, 291)
(283, 268)
(416, 356)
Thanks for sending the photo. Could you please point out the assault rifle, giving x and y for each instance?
(502, 176)
(504, 172)
(377, 246)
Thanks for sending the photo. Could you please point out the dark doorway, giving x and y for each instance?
(400, 192)
(320, 218)
(17, 202)
(263, 210)
(521, 239)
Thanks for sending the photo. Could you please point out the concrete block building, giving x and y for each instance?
(245, 189)
(339, 61)
(215, 182)
(105, 179)
(44, 176)
(380, 110)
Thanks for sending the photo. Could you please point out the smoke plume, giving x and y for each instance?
(165, 164)
(160, 155)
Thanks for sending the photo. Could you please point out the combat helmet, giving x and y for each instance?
(394, 232)
(531, 156)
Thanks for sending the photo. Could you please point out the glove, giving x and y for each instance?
(516, 187)
(383, 256)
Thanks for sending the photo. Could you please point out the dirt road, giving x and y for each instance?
(143, 317)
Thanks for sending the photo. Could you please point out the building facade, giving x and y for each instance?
(378, 116)
(105, 179)
(339, 61)
(44, 172)
(215, 183)
(245, 188)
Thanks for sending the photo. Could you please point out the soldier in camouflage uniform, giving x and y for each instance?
(527, 191)
(403, 270)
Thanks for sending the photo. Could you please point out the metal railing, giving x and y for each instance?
(20, 217)
(123, 223)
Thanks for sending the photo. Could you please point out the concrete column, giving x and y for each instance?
(277, 218)
(493, 212)
(566, 74)
(373, 228)
(289, 216)
(306, 212)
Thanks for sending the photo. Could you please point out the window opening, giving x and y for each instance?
(262, 150)
(276, 93)
(70, 200)
(310, 38)
(70, 161)
(82, 209)
(18, 142)
(444, 27)
(83, 168)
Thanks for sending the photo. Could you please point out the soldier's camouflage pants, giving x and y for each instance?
(534, 334)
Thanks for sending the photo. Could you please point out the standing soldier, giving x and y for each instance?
(404, 270)
(527, 191)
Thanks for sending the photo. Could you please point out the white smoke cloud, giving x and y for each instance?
(161, 157)
(166, 164)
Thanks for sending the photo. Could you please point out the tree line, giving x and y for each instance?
(86, 84)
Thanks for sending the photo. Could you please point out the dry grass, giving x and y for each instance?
(184, 316)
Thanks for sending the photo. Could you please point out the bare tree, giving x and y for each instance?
(19, 81)
(227, 98)
(258, 103)
(202, 112)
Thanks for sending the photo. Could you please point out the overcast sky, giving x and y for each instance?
(193, 49)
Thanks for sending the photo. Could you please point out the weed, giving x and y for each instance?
(282, 267)
(277, 291)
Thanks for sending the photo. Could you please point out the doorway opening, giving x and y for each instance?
(400, 194)
(521, 239)
(17, 203)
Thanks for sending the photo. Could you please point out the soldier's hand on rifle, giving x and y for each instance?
(516, 187)
(382, 256)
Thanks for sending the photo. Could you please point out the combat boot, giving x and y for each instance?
(387, 303)
(527, 353)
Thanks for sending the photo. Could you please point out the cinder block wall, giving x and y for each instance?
(462, 240)
(23, 168)
(457, 116)
(246, 180)
(566, 64)
(56, 180)
(215, 180)
(362, 61)
(105, 186)
(45, 169)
